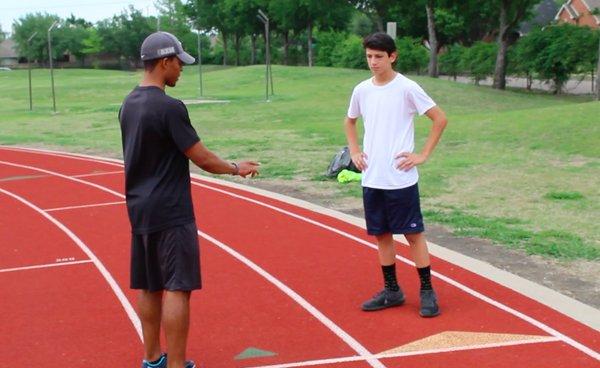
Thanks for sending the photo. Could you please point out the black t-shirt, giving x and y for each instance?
(155, 131)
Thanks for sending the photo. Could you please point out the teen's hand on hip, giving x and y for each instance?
(409, 160)
(246, 168)
(360, 160)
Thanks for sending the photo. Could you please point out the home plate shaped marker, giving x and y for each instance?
(460, 340)
(254, 353)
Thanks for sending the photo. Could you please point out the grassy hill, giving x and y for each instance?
(521, 169)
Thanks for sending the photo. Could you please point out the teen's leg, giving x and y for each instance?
(176, 321)
(149, 311)
(387, 252)
(420, 255)
(418, 249)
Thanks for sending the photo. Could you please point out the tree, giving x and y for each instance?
(2, 34)
(433, 43)
(24, 27)
(598, 73)
(377, 10)
(123, 34)
(511, 13)
(211, 14)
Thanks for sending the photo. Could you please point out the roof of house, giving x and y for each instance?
(8, 49)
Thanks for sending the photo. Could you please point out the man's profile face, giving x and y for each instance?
(379, 61)
(173, 68)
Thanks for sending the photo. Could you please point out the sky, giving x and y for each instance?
(90, 10)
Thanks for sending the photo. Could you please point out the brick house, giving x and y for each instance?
(579, 12)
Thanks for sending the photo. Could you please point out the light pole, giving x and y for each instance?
(268, 73)
(51, 67)
(29, 68)
(199, 61)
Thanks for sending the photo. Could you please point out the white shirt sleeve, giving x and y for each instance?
(354, 108)
(419, 99)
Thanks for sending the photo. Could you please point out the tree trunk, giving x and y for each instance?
(598, 75)
(224, 48)
(500, 72)
(433, 43)
(310, 50)
(286, 46)
(237, 49)
(253, 54)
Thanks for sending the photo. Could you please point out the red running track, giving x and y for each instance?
(282, 285)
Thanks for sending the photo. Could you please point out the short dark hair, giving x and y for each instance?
(380, 41)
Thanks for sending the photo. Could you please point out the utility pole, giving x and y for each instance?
(200, 61)
(29, 68)
(51, 68)
(268, 73)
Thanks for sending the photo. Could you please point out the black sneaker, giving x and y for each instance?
(429, 306)
(384, 299)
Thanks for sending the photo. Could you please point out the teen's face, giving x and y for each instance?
(173, 69)
(379, 61)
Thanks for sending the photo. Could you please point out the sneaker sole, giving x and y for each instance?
(430, 315)
(397, 304)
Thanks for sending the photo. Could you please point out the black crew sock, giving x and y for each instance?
(389, 277)
(425, 277)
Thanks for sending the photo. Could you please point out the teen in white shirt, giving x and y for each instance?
(388, 103)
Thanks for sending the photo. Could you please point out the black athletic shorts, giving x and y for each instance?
(166, 260)
(396, 211)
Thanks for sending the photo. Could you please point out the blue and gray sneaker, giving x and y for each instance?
(384, 299)
(429, 305)
(162, 363)
(159, 363)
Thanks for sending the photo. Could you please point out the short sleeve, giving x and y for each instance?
(419, 99)
(354, 108)
(180, 128)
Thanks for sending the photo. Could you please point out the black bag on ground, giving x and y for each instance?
(341, 161)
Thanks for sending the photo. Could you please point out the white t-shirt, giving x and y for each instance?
(387, 113)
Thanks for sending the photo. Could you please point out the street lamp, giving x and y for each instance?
(199, 61)
(51, 68)
(29, 68)
(265, 19)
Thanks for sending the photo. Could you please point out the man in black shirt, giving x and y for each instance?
(158, 142)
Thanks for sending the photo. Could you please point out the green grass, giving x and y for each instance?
(518, 168)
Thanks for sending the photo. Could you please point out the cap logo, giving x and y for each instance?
(165, 51)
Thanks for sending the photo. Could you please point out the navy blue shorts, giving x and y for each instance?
(166, 260)
(396, 211)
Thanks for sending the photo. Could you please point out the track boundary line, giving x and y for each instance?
(410, 353)
(47, 265)
(344, 336)
(99, 265)
(460, 286)
(84, 206)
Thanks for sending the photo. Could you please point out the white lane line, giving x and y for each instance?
(48, 265)
(542, 326)
(450, 281)
(98, 174)
(349, 340)
(308, 363)
(107, 276)
(84, 206)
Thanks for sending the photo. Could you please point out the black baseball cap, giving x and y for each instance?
(163, 44)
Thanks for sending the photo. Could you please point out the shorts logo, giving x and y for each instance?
(413, 225)
(165, 51)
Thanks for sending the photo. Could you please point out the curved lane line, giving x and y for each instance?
(338, 331)
(103, 271)
(460, 286)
